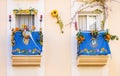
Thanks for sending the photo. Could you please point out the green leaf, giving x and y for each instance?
(117, 38)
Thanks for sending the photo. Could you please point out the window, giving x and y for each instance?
(88, 22)
(26, 19)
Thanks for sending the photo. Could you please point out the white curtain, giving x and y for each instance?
(82, 22)
(89, 22)
(24, 19)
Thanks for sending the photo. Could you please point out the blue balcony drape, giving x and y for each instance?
(86, 48)
(32, 48)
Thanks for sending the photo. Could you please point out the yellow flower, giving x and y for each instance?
(35, 11)
(103, 49)
(18, 50)
(54, 13)
(17, 29)
(90, 50)
(24, 26)
(26, 36)
(27, 11)
(23, 50)
(14, 12)
(86, 50)
(33, 27)
(20, 11)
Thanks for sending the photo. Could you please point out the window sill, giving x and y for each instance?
(26, 60)
(92, 60)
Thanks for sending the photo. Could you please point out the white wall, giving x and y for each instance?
(57, 45)
(114, 27)
(3, 38)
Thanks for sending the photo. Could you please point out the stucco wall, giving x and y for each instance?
(3, 38)
(57, 45)
(59, 55)
(114, 26)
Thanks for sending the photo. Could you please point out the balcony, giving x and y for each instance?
(26, 50)
(93, 49)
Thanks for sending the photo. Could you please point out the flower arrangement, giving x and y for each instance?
(25, 33)
(26, 51)
(41, 36)
(54, 14)
(80, 38)
(33, 28)
(24, 26)
(109, 37)
(94, 33)
(25, 11)
(101, 51)
(13, 38)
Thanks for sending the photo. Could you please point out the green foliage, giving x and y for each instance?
(92, 1)
(109, 37)
(113, 37)
(79, 34)
(98, 11)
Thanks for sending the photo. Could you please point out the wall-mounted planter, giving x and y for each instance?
(26, 54)
(26, 60)
(93, 49)
(92, 60)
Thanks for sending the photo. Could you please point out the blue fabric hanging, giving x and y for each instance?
(30, 47)
(102, 47)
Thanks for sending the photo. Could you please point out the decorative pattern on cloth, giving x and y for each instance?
(90, 46)
(34, 47)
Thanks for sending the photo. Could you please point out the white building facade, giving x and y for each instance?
(59, 50)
